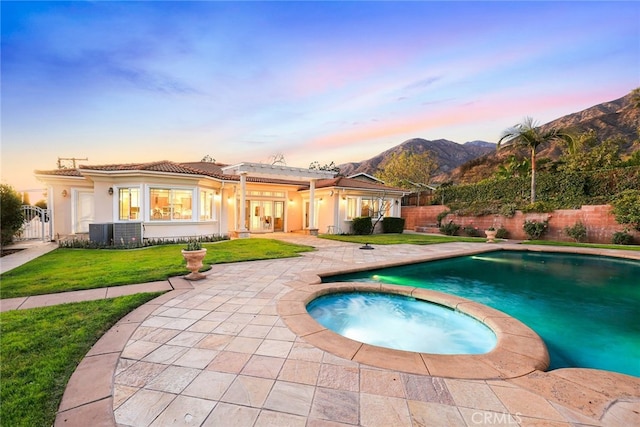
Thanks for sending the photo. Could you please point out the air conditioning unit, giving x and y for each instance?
(101, 233)
(127, 233)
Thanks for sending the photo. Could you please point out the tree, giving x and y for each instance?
(626, 208)
(593, 154)
(513, 168)
(208, 159)
(277, 159)
(528, 134)
(410, 170)
(11, 218)
(406, 169)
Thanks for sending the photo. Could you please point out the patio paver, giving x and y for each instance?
(219, 354)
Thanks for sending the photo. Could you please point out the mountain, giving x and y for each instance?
(475, 160)
(448, 155)
(614, 119)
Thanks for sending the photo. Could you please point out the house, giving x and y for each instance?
(167, 199)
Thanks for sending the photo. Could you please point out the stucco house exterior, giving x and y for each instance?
(167, 199)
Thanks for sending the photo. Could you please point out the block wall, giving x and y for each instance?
(599, 220)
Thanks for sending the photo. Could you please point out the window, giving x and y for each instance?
(352, 208)
(362, 206)
(207, 207)
(168, 204)
(128, 204)
(367, 207)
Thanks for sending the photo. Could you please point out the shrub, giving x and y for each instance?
(577, 232)
(622, 238)
(450, 229)
(88, 244)
(362, 225)
(470, 231)
(502, 233)
(508, 210)
(11, 214)
(440, 217)
(193, 245)
(626, 208)
(535, 229)
(392, 225)
(538, 206)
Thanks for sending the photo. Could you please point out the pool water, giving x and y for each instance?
(401, 323)
(585, 308)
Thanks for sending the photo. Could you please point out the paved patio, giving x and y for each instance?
(217, 353)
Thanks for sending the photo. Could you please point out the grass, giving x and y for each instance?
(395, 239)
(76, 269)
(428, 239)
(40, 349)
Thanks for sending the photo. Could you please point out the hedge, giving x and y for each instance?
(554, 190)
(392, 224)
(362, 225)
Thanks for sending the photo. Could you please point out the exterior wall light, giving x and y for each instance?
(110, 191)
(64, 193)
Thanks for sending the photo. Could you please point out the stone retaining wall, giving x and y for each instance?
(598, 219)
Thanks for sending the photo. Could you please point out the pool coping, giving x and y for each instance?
(518, 351)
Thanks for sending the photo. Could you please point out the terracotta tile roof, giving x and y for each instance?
(59, 172)
(207, 168)
(214, 170)
(160, 166)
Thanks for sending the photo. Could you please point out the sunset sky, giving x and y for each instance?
(120, 82)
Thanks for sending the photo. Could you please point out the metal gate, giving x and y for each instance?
(37, 224)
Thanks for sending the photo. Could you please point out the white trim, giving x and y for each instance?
(115, 202)
(371, 177)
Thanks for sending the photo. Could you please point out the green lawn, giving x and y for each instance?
(75, 269)
(40, 349)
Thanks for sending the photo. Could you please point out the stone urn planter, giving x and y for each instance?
(194, 254)
(491, 235)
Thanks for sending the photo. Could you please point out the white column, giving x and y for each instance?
(243, 232)
(312, 210)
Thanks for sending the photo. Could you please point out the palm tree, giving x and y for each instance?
(528, 134)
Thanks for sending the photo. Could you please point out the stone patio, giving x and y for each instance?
(217, 353)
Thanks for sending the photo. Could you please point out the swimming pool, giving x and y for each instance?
(584, 307)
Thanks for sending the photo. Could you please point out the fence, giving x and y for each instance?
(37, 224)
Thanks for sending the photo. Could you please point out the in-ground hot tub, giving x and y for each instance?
(401, 322)
(516, 350)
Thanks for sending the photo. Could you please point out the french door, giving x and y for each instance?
(265, 216)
